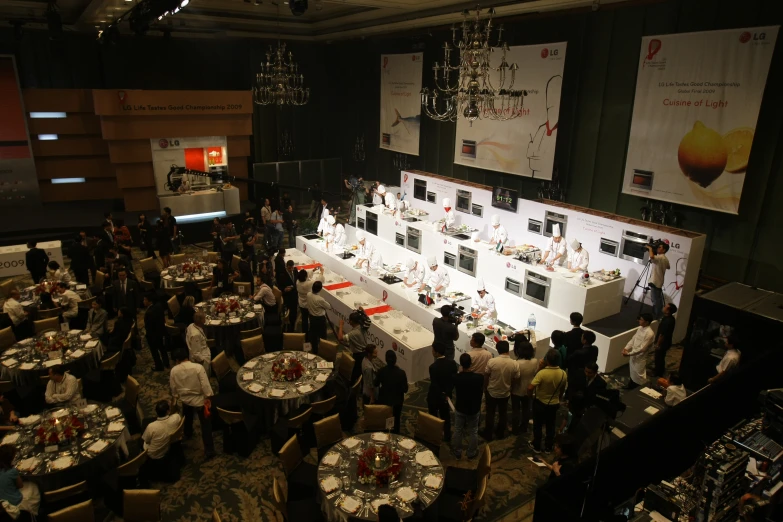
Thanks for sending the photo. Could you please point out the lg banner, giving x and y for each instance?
(401, 102)
(203, 154)
(524, 145)
(694, 116)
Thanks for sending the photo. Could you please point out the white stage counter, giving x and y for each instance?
(12, 258)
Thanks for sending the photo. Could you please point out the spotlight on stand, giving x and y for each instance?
(298, 7)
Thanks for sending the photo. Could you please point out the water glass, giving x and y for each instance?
(346, 482)
(373, 485)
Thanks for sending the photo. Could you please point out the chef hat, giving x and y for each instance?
(575, 244)
(381, 189)
(480, 285)
(446, 202)
(495, 219)
(555, 230)
(432, 261)
(359, 235)
(410, 263)
(330, 220)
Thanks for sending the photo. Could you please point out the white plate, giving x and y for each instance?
(235, 320)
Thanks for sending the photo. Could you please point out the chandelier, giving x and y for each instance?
(466, 87)
(358, 149)
(279, 82)
(285, 144)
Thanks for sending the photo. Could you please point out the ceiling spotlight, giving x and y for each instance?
(160, 18)
(176, 10)
(184, 3)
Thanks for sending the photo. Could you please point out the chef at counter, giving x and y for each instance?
(484, 304)
(579, 257)
(499, 234)
(414, 276)
(438, 278)
(555, 253)
(449, 217)
(364, 253)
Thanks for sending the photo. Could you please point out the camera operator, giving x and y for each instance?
(356, 339)
(445, 330)
(660, 264)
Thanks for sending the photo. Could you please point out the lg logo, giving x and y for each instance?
(512, 266)
(405, 178)
(398, 349)
(545, 53)
(385, 295)
(304, 248)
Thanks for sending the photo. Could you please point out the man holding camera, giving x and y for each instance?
(660, 264)
(445, 330)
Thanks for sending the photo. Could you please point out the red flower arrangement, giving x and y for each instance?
(44, 287)
(43, 345)
(190, 268)
(230, 305)
(56, 431)
(287, 369)
(366, 466)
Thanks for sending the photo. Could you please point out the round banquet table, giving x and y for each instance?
(227, 316)
(421, 475)
(90, 454)
(178, 275)
(30, 297)
(263, 393)
(24, 361)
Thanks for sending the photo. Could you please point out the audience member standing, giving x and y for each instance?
(189, 382)
(573, 338)
(125, 292)
(155, 330)
(498, 377)
(81, 260)
(469, 387)
(303, 287)
(581, 392)
(317, 307)
(637, 349)
(287, 283)
(196, 340)
(145, 236)
(442, 373)
(663, 339)
(549, 385)
(445, 331)
(104, 245)
(392, 383)
(479, 356)
(521, 402)
(36, 261)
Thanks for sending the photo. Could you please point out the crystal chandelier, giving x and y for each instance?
(470, 91)
(279, 82)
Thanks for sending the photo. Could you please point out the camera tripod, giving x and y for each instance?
(645, 287)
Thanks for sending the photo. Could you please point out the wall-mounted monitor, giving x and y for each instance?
(505, 199)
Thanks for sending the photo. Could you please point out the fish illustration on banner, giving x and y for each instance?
(400, 102)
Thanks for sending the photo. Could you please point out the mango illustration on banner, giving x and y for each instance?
(704, 154)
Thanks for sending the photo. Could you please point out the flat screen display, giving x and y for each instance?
(505, 199)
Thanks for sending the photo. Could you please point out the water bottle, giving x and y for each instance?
(531, 322)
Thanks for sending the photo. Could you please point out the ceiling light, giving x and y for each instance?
(35, 115)
(184, 3)
(47, 137)
(62, 181)
(176, 10)
(279, 82)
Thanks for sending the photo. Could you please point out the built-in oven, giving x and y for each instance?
(537, 288)
(413, 242)
(553, 218)
(371, 223)
(633, 247)
(450, 260)
(467, 260)
(399, 239)
(463, 201)
(477, 210)
(535, 226)
(360, 222)
(514, 287)
(609, 247)
(432, 197)
(420, 189)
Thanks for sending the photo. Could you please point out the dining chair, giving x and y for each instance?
(44, 325)
(110, 363)
(327, 432)
(141, 505)
(177, 259)
(322, 408)
(61, 498)
(242, 288)
(212, 257)
(82, 512)
(173, 306)
(293, 341)
(176, 452)
(236, 436)
(173, 291)
(6, 387)
(462, 480)
(375, 416)
(48, 314)
(6, 287)
(278, 299)
(327, 350)
(246, 334)
(130, 404)
(146, 286)
(252, 347)
(126, 344)
(356, 390)
(279, 498)
(215, 514)
(7, 338)
(453, 507)
(220, 365)
(286, 427)
(345, 366)
(429, 431)
(128, 472)
(302, 477)
(99, 280)
(87, 303)
(149, 265)
(235, 263)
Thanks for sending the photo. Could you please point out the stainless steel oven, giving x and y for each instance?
(399, 239)
(514, 287)
(371, 223)
(414, 240)
(477, 210)
(450, 260)
(467, 260)
(432, 197)
(633, 247)
(553, 218)
(420, 189)
(463, 201)
(537, 288)
(534, 226)
(609, 247)
(360, 223)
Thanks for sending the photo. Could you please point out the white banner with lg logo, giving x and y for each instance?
(12, 258)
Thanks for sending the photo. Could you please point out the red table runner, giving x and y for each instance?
(337, 286)
(377, 309)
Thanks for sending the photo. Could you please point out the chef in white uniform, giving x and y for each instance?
(323, 223)
(484, 303)
(555, 253)
(389, 199)
(414, 276)
(450, 217)
(499, 235)
(339, 235)
(364, 253)
(579, 257)
(377, 197)
(329, 233)
(637, 349)
(438, 278)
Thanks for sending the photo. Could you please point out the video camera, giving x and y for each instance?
(655, 243)
(361, 318)
(355, 182)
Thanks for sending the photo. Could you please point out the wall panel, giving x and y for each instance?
(92, 189)
(70, 145)
(89, 167)
(119, 128)
(74, 123)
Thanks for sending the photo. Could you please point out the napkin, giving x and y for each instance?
(28, 464)
(168, 277)
(433, 481)
(258, 307)
(305, 388)
(214, 322)
(380, 436)
(26, 303)
(251, 364)
(11, 351)
(325, 365)
(277, 393)
(330, 483)
(426, 458)
(85, 337)
(180, 279)
(62, 412)
(98, 446)
(91, 344)
(25, 341)
(248, 376)
(112, 412)
(255, 387)
(378, 502)
(331, 459)
(250, 315)
(77, 354)
(9, 439)
(198, 277)
(235, 320)
(651, 410)
(351, 442)
(62, 463)
(116, 426)
(269, 356)
(407, 444)
(81, 287)
(27, 366)
(647, 391)
(309, 356)
(27, 421)
(89, 408)
(322, 377)
(405, 494)
(52, 362)
(74, 332)
(10, 362)
(351, 505)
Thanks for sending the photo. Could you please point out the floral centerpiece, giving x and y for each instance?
(52, 343)
(44, 287)
(191, 267)
(56, 431)
(287, 368)
(379, 463)
(223, 306)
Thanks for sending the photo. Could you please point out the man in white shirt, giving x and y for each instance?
(438, 278)
(18, 316)
(69, 301)
(62, 387)
(555, 253)
(660, 264)
(414, 275)
(365, 252)
(637, 349)
(729, 361)
(579, 257)
(58, 273)
(265, 296)
(157, 435)
(484, 303)
(303, 287)
(675, 392)
(317, 307)
(196, 340)
(189, 382)
(499, 235)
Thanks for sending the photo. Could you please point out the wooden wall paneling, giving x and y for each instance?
(130, 151)
(77, 123)
(140, 199)
(119, 128)
(237, 167)
(70, 145)
(151, 103)
(135, 175)
(238, 146)
(91, 190)
(58, 100)
(89, 167)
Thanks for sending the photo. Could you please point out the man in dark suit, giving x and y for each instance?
(105, 244)
(442, 373)
(36, 261)
(155, 328)
(582, 393)
(287, 284)
(573, 339)
(81, 260)
(393, 385)
(125, 292)
(581, 357)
